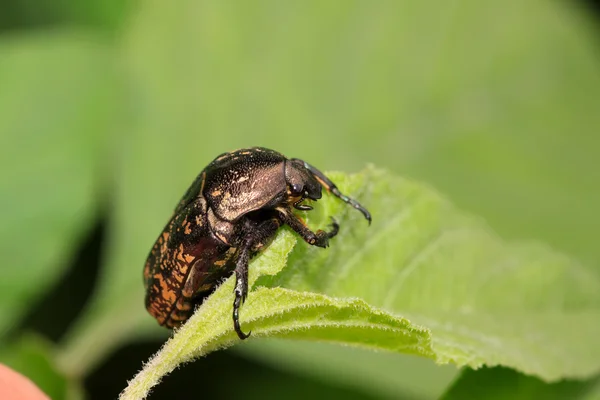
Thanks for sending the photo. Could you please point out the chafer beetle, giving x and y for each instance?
(235, 205)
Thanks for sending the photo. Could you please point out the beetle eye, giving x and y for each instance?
(296, 188)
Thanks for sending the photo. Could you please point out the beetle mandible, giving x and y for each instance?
(234, 206)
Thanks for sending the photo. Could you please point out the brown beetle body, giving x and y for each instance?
(186, 263)
(234, 206)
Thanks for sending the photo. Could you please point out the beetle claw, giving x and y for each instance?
(238, 328)
(242, 335)
(239, 298)
(335, 228)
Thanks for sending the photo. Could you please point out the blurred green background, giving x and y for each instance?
(109, 109)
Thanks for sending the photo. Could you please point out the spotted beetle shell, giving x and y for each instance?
(184, 266)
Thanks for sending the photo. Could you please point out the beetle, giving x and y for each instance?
(231, 210)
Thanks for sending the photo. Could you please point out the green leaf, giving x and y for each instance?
(501, 383)
(594, 393)
(425, 279)
(52, 131)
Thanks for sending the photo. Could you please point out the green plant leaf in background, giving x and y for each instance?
(424, 260)
(58, 105)
(594, 393)
(501, 383)
(104, 16)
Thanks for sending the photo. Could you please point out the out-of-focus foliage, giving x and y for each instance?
(59, 108)
(105, 16)
(496, 105)
(501, 383)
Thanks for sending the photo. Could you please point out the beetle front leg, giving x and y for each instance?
(257, 238)
(319, 238)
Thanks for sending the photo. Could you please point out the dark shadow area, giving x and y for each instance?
(594, 6)
(54, 312)
(220, 375)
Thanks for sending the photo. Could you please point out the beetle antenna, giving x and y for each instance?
(330, 187)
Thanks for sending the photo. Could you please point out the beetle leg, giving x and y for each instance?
(263, 232)
(330, 186)
(241, 290)
(319, 238)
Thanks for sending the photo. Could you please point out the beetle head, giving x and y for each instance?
(301, 182)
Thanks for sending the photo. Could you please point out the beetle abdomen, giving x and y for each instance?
(212, 262)
(184, 259)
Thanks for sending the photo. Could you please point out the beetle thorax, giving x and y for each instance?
(243, 185)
